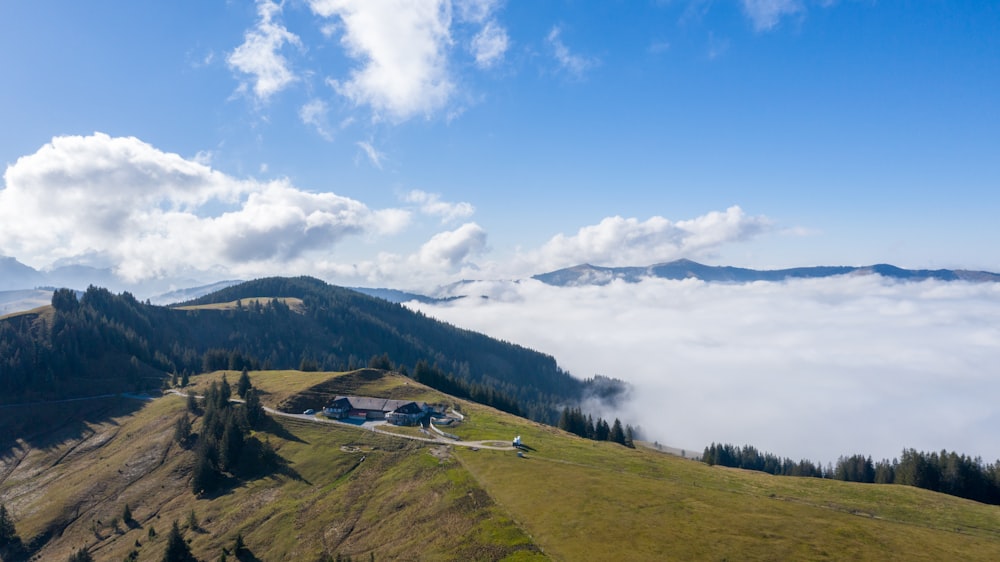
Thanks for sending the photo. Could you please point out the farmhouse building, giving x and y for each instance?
(397, 412)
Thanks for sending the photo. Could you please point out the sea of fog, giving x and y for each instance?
(804, 369)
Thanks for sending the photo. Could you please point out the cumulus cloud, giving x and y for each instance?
(573, 63)
(260, 54)
(401, 48)
(451, 249)
(617, 241)
(806, 369)
(151, 213)
(766, 14)
(431, 204)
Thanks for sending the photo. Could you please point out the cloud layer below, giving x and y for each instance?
(806, 369)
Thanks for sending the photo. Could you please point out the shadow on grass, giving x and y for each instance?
(42, 425)
(279, 430)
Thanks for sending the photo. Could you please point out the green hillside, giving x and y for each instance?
(566, 498)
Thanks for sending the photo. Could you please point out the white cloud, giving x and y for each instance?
(573, 63)
(489, 45)
(431, 204)
(314, 113)
(154, 214)
(401, 47)
(260, 54)
(807, 368)
(766, 14)
(374, 156)
(476, 11)
(451, 249)
(617, 241)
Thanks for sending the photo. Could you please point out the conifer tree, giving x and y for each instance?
(617, 433)
(255, 413)
(8, 532)
(182, 430)
(243, 384)
(82, 555)
(177, 549)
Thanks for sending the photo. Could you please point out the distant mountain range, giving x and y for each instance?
(17, 280)
(587, 274)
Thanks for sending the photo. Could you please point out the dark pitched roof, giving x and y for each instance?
(377, 404)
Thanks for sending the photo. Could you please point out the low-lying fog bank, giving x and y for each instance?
(805, 369)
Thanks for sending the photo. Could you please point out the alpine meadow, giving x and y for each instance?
(359, 280)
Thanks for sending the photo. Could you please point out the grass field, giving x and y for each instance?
(351, 492)
(291, 302)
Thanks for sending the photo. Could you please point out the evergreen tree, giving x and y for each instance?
(177, 549)
(205, 477)
(231, 445)
(255, 414)
(617, 432)
(82, 555)
(243, 384)
(225, 391)
(182, 430)
(8, 532)
(127, 515)
(602, 430)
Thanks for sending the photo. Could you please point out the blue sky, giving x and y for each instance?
(413, 143)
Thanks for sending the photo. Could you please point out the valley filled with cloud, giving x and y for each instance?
(804, 369)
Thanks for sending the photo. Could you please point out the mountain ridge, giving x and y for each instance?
(587, 274)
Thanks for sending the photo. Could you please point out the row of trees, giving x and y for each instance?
(946, 472)
(432, 376)
(573, 421)
(749, 458)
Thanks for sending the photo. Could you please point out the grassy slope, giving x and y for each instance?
(574, 499)
(400, 502)
(584, 500)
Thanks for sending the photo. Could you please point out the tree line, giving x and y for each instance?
(573, 421)
(946, 472)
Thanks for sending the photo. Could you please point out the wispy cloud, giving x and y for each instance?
(807, 369)
(314, 114)
(260, 54)
(569, 61)
(431, 204)
(767, 14)
(374, 156)
(489, 45)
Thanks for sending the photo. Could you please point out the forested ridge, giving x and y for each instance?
(946, 472)
(106, 342)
